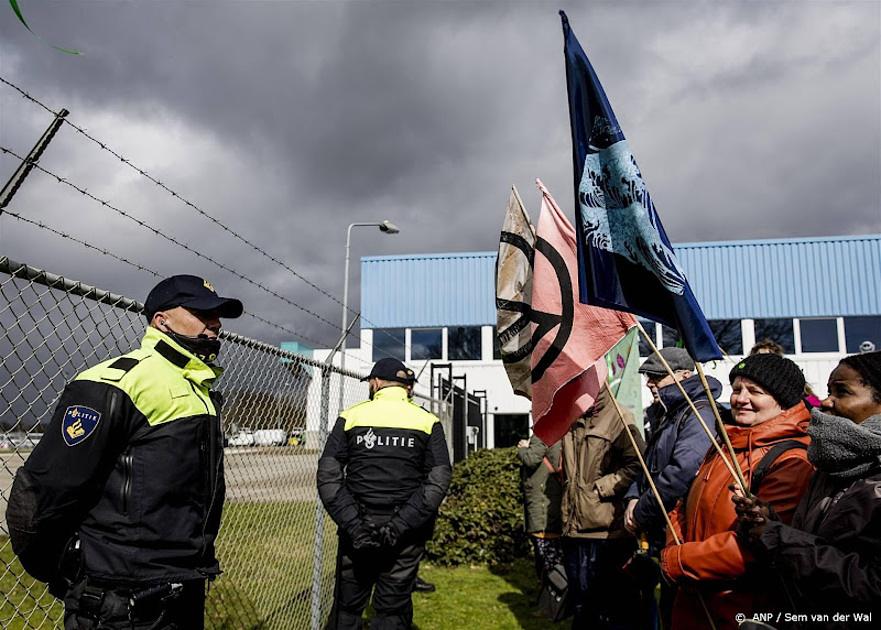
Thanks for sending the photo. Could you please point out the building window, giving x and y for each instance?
(510, 428)
(644, 348)
(728, 335)
(426, 343)
(818, 335)
(388, 342)
(670, 337)
(463, 343)
(777, 329)
(858, 330)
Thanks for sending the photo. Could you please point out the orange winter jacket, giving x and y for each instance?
(711, 560)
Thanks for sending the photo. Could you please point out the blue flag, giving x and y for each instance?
(625, 260)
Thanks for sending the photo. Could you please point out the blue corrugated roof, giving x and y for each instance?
(788, 277)
(428, 290)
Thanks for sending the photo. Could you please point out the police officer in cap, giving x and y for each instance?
(382, 476)
(119, 504)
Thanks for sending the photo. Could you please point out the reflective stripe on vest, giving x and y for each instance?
(389, 409)
(159, 389)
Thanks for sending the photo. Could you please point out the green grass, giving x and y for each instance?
(25, 602)
(266, 551)
(266, 554)
(480, 598)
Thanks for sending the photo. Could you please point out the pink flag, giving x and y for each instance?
(571, 338)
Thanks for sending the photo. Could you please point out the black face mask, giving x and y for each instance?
(203, 346)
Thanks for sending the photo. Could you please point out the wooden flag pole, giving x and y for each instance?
(654, 488)
(722, 430)
(728, 464)
(645, 468)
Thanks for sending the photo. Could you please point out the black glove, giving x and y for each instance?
(69, 569)
(364, 535)
(390, 533)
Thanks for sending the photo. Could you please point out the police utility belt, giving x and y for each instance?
(93, 596)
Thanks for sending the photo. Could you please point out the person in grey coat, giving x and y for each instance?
(830, 555)
(542, 494)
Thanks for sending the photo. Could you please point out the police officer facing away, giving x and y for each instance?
(118, 506)
(382, 477)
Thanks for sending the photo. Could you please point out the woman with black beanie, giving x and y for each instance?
(769, 435)
(831, 554)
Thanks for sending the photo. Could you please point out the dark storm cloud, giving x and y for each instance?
(289, 120)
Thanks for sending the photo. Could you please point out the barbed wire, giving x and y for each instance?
(171, 239)
(173, 193)
(142, 172)
(123, 259)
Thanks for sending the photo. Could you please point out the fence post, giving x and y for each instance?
(28, 163)
(318, 549)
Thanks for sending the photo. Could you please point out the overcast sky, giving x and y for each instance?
(288, 120)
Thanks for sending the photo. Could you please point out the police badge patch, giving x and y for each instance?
(78, 423)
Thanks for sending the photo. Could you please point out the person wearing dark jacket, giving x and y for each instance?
(676, 444)
(382, 476)
(716, 573)
(119, 504)
(830, 555)
(675, 447)
(542, 494)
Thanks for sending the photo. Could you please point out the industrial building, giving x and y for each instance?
(819, 297)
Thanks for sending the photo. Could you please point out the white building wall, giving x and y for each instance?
(489, 374)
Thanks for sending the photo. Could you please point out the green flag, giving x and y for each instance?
(622, 362)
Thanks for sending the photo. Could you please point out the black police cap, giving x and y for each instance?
(391, 370)
(190, 292)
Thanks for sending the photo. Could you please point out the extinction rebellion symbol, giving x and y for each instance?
(545, 322)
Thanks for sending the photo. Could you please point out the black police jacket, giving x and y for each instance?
(385, 456)
(132, 464)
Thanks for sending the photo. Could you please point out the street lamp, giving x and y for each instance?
(388, 228)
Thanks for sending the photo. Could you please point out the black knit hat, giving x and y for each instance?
(777, 375)
(868, 365)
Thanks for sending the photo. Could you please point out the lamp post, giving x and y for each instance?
(384, 226)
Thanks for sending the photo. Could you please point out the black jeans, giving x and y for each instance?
(91, 607)
(602, 596)
(388, 573)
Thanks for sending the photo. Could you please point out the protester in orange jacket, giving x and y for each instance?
(769, 437)
(830, 556)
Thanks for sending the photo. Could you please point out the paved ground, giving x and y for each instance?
(260, 475)
(277, 473)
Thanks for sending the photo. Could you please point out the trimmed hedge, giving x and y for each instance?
(481, 520)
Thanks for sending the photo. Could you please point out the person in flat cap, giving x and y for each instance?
(675, 446)
(118, 506)
(382, 476)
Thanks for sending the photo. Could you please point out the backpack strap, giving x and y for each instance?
(768, 460)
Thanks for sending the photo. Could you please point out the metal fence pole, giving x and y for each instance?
(52, 327)
(32, 158)
(318, 549)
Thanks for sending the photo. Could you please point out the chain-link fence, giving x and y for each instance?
(276, 545)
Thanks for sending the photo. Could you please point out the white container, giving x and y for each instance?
(242, 438)
(270, 437)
